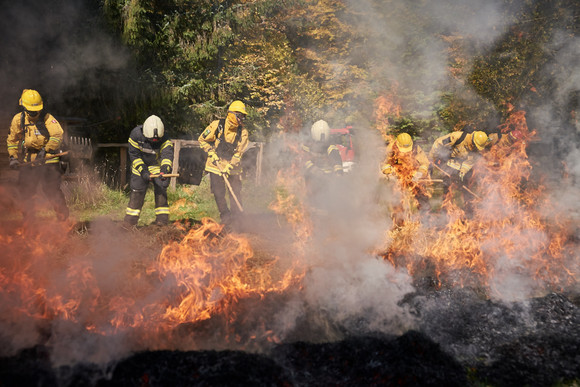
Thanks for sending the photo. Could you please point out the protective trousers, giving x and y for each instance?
(137, 198)
(49, 177)
(218, 188)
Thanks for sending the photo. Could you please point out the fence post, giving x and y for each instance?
(176, 151)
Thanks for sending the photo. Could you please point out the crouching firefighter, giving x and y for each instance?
(151, 157)
(408, 163)
(455, 154)
(225, 141)
(33, 143)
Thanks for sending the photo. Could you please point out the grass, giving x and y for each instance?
(89, 198)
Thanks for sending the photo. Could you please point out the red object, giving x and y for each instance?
(343, 139)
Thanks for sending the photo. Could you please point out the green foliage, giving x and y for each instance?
(203, 55)
(293, 62)
(513, 71)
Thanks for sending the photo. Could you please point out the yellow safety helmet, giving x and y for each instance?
(31, 100)
(480, 139)
(238, 106)
(404, 142)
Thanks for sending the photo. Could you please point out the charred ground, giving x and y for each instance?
(460, 338)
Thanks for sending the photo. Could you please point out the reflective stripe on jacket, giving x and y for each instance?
(152, 156)
(25, 139)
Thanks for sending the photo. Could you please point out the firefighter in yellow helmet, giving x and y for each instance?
(407, 162)
(456, 153)
(151, 157)
(225, 141)
(33, 142)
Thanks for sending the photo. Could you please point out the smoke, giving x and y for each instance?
(410, 44)
(57, 47)
(345, 284)
(407, 42)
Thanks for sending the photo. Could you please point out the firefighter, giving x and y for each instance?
(151, 157)
(321, 163)
(408, 163)
(34, 140)
(321, 157)
(224, 141)
(455, 154)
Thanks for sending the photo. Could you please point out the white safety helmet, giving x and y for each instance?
(153, 128)
(320, 131)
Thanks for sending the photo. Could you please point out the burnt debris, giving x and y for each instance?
(461, 339)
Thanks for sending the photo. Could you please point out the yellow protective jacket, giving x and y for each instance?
(416, 160)
(229, 143)
(460, 155)
(501, 139)
(27, 137)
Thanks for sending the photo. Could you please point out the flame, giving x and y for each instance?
(196, 278)
(505, 231)
(386, 107)
(405, 188)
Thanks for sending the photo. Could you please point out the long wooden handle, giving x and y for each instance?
(166, 175)
(462, 186)
(47, 157)
(233, 194)
(230, 188)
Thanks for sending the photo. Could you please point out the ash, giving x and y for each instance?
(461, 339)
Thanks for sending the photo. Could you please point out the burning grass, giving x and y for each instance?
(499, 239)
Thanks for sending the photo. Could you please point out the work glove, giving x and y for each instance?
(388, 169)
(417, 176)
(213, 156)
(161, 181)
(14, 163)
(145, 175)
(165, 169)
(464, 170)
(227, 170)
(41, 156)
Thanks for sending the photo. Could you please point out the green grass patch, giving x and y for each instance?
(89, 198)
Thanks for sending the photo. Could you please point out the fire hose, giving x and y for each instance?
(462, 186)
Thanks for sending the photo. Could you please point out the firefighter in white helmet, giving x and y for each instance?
(225, 141)
(407, 162)
(322, 164)
(33, 142)
(321, 157)
(151, 157)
